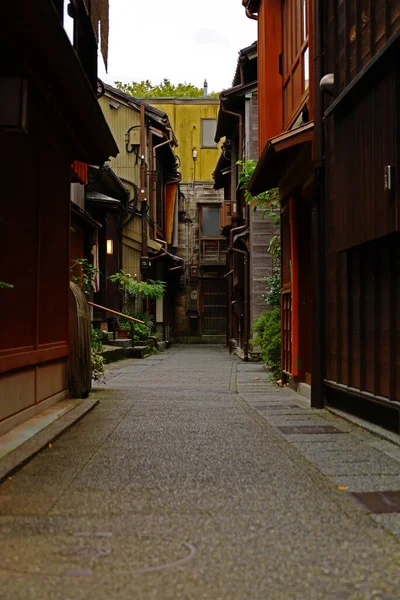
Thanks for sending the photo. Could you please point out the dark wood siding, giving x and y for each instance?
(363, 320)
(356, 31)
(364, 143)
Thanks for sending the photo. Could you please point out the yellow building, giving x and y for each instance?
(194, 121)
(200, 302)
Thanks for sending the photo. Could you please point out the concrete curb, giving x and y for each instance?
(26, 451)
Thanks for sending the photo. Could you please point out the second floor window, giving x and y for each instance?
(296, 57)
(210, 225)
(208, 130)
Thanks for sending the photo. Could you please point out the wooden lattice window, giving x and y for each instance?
(360, 30)
(295, 57)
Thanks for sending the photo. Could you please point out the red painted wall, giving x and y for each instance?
(34, 238)
(270, 112)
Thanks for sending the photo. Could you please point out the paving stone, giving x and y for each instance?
(176, 488)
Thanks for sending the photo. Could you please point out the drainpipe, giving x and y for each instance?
(240, 120)
(242, 229)
(245, 255)
(143, 195)
(154, 176)
(249, 14)
(317, 223)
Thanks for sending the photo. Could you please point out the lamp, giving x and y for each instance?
(110, 246)
(194, 153)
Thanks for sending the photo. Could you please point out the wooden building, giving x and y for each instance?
(49, 117)
(361, 321)
(147, 224)
(286, 130)
(346, 201)
(247, 233)
(200, 299)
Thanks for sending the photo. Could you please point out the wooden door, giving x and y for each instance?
(213, 307)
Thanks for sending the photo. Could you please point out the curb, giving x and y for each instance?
(16, 459)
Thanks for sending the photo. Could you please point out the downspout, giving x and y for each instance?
(143, 182)
(317, 223)
(245, 255)
(249, 14)
(235, 231)
(236, 115)
(154, 176)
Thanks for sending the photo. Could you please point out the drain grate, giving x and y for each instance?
(309, 429)
(379, 502)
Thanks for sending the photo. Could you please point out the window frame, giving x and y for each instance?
(216, 206)
(202, 145)
(294, 40)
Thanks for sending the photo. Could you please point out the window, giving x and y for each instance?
(296, 55)
(208, 130)
(210, 220)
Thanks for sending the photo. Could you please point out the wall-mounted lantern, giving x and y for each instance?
(110, 246)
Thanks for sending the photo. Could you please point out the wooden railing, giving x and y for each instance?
(213, 251)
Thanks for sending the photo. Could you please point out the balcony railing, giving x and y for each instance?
(213, 251)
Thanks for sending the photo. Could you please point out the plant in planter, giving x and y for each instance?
(138, 331)
(131, 288)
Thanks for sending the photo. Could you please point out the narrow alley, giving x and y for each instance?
(180, 484)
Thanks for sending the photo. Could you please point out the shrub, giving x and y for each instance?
(268, 329)
(98, 367)
(97, 358)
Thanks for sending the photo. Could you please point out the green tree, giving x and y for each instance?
(268, 201)
(146, 89)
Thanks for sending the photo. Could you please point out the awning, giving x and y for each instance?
(278, 154)
(84, 217)
(102, 199)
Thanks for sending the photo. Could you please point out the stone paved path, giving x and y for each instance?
(178, 487)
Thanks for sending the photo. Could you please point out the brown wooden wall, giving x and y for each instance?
(364, 142)
(34, 246)
(356, 31)
(363, 318)
(34, 236)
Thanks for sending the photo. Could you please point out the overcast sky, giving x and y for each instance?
(183, 40)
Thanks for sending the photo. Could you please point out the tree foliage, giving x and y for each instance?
(146, 89)
(267, 201)
(143, 289)
(83, 274)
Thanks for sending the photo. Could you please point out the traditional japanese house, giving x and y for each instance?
(286, 129)
(360, 43)
(247, 233)
(49, 117)
(200, 300)
(148, 169)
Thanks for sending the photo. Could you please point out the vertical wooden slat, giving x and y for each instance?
(392, 309)
(376, 321)
(371, 27)
(387, 18)
(362, 320)
(295, 287)
(349, 320)
(358, 34)
(346, 44)
(338, 321)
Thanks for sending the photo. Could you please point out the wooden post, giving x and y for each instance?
(295, 286)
